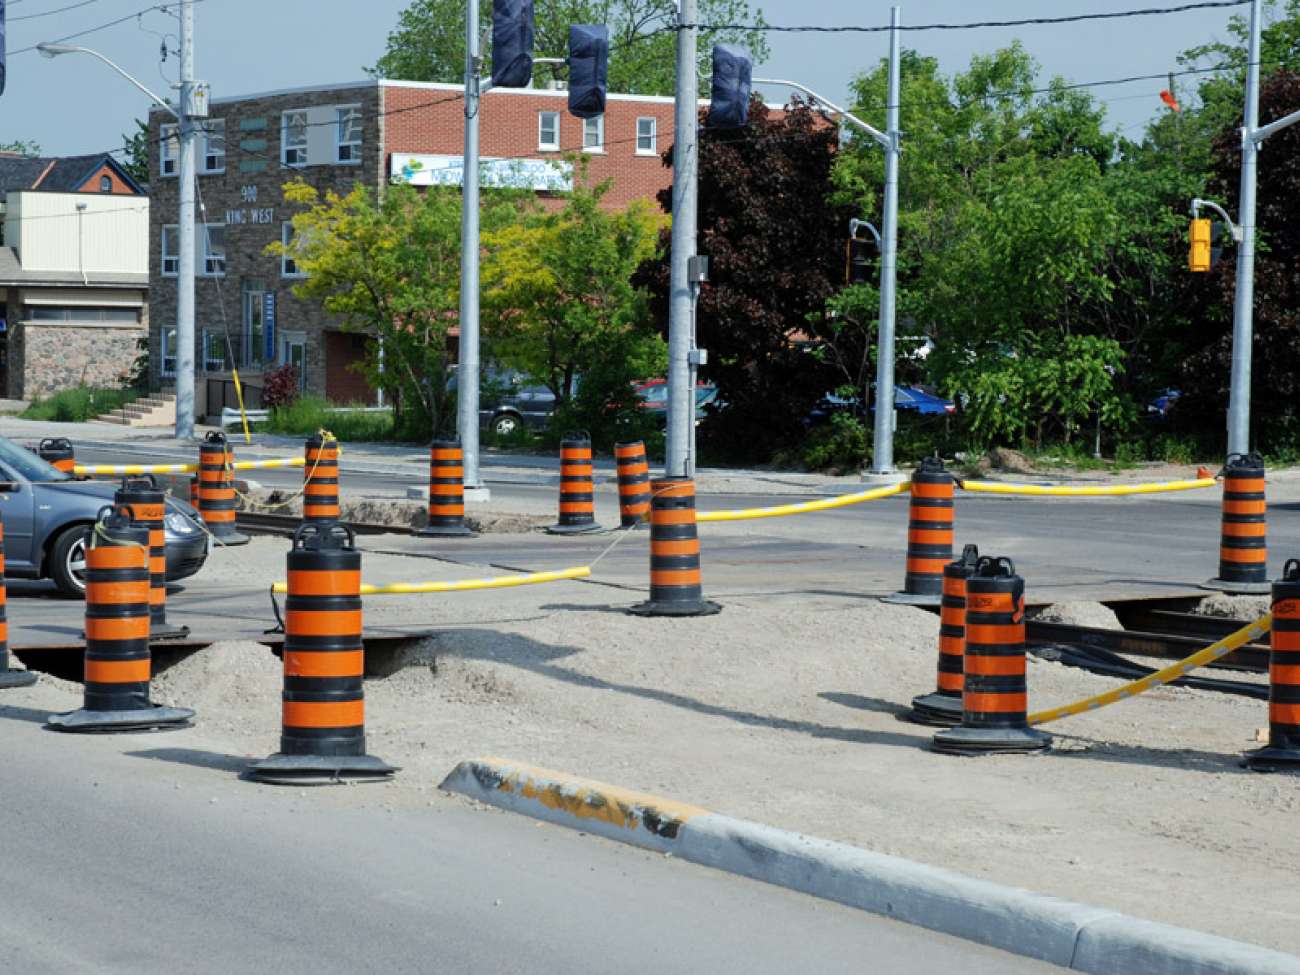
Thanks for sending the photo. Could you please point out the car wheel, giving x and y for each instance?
(505, 424)
(68, 561)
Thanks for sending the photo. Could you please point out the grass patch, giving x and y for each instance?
(308, 414)
(79, 404)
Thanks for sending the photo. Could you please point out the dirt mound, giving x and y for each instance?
(1006, 459)
(446, 666)
(1233, 607)
(1079, 614)
(508, 524)
(234, 685)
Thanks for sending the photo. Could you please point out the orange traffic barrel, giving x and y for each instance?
(577, 487)
(58, 453)
(994, 698)
(929, 535)
(675, 583)
(217, 489)
(633, 483)
(194, 492)
(117, 661)
(446, 490)
(8, 678)
(146, 503)
(323, 733)
(320, 479)
(1283, 750)
(1243, 534)
(943, 706)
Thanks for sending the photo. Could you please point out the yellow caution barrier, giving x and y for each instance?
(465, 585)
(802, 507)
(258, 465)
(1251, 631)
(1089, 491)
(135, 468)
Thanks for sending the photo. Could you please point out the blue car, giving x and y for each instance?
(913, 399)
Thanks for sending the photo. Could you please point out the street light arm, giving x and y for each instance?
(1210, 204)
(875, 133)
(54, 50)
(1264, 131)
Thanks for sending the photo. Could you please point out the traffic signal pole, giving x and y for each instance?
(882, 448)
(467, 369)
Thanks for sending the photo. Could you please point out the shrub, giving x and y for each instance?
(280, 387)
(308, 414)
(840, 443)
(79, 404)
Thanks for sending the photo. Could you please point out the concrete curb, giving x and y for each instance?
(1074, 936)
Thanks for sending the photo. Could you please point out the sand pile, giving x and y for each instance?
(1095, 615)
(1233, 607)
(232, 686)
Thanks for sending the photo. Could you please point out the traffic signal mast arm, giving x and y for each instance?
(1196, 215)
(872, 131)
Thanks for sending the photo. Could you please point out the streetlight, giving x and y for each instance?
(191, 108)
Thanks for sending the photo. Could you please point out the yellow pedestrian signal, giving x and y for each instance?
(1199, 257)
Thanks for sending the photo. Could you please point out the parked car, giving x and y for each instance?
(509, 402)
(653, 394)
(46, 513)
(913, 399)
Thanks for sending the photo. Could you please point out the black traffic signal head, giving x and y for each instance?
(512, 43)
(729, 99)
(588, 65)
(2, 47)
(859, 256)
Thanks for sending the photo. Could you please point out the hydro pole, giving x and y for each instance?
(185, 264)
(882, 450)
(681, 398)
(467, 372)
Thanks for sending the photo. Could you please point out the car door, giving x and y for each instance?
(18, 508)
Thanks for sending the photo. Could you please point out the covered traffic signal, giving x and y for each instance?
(858, 258)
(2, 47)
(512, 43)
(1199, 257)
(729, 98)
(588, 67)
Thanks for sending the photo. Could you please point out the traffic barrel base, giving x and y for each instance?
(942, 707)
(675, 582)
(446, 515)
(994, 698)
(281, 769)
(577, 487)
(1243, 552)
(8, 678)
(1282, 753)
(154, 718)
(217, 489)
(16, 678)
(929, 535)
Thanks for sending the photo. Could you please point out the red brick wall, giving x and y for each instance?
(430, 120)
(92, 185)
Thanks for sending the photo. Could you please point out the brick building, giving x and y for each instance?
(335, 136)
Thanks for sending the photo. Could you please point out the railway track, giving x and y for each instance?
(262, 523)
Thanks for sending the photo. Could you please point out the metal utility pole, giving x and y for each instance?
(1243, 307)
(467, 370)
(882, 451)
(681, 397)
(185, 271)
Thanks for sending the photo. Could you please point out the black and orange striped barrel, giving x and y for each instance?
(633, 483)
(320, 479)
(1243, 540)
(58, 453)
(446, 489)
(194, 492)
(943, 705)
(994, 693)
(577, 487)
(675, 581)
(8, 678)
(146, 503)
(929, 534)
(1283, 750)
(217, 488)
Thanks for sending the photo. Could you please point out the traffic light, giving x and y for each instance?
(858, 256)
(729, 99)
(2, 47)
(588, 65)
(1199, 257)
(512, 43)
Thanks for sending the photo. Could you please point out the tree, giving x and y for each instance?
(428, 43)
(391, 269)
(775, 242)
(565, 311)
(24, 147)
(137, 152)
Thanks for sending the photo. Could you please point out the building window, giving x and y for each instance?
(106, 184)
(288, 265)
(213, 244)
(647, 136)
(214, 351)
(214, 146)
(169, 351)
(171, 260)
(169, 150)
(74, 313)
(548, 131)
(254, 338)
(293, 138)
(349, 135)
(593, 134)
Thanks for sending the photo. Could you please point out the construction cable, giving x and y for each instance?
(1085, 491)
(802, 507)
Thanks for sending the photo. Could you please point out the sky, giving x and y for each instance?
(74, 104)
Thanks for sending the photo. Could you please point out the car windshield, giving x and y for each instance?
(27, 465)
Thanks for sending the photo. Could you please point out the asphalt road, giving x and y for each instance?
(145, 854)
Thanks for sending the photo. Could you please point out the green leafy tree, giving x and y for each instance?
(24, 147)
(137, 152)
(428, 43)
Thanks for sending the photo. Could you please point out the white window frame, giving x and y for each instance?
(599, 145)
(652, 135)
(287, 341)
(288, 263)
(543, 145)
(299, 151)
(169, 150)
(171, 233)
(213, 264)
(168, 339)
(348, 117)
(213, 159)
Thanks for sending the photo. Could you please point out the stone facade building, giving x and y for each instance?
(334, 137)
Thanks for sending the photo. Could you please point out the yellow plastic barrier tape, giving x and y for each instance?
(257, 465)
(802, 507)
(465, 585)
(135, 468)
(1093, 491)
(1251, 631)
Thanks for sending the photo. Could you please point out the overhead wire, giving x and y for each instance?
(161, 7)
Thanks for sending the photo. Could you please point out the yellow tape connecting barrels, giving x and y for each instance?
(1087, 491)
(243, 465)
(1251, 631)
(465, 585)
(802, 507)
